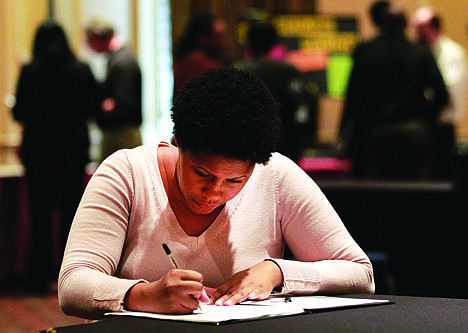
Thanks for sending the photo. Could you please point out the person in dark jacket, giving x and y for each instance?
(121, 111)
(287, 85)
(395, 94)
(202, 46)
(56, 95)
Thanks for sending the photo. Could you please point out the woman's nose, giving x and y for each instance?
(212, 189)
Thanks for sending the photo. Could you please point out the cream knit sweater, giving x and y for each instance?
(124, 217)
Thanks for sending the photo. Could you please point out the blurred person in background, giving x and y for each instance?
(201, 47)
(452, 61)
(285, 82)
(394, 96)
(56, 95)
(121, 111)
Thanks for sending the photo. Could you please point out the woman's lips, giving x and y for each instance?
(203, 205)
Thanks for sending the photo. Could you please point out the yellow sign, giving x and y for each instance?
(303, 25)
(320, 44)
(319, 32)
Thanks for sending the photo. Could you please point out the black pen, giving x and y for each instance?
(169, 254)
(174, 263)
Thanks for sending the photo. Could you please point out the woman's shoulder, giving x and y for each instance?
(286, 171)
(280, 163)
(279, 167)
(291, 182)
(133, 159)
(132, 168)
(142, 154)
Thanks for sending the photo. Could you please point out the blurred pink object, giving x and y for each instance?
(278, 52)
(326, 167)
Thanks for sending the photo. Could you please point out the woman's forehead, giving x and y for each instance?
(215, 164)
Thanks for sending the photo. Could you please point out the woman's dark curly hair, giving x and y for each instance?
(227, 112)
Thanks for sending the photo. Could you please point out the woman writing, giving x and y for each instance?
(225, 205)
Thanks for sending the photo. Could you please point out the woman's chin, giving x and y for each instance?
(202, 208)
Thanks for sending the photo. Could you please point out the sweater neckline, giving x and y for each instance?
(220, 222)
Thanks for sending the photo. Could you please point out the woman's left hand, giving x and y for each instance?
(256, 282)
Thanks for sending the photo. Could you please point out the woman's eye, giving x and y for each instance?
(201, 174)
(208, 176)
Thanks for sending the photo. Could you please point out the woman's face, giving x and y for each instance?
(208, 182)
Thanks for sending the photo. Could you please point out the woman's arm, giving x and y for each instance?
(328, 258)
(329, 261)
(86, 285)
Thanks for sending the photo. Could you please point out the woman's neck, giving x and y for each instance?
(193, 224)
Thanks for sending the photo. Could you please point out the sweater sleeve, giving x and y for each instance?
(329, 261)
(87, 287)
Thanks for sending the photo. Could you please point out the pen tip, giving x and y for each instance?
(166, 249)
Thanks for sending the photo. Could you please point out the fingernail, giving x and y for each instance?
(204, 297)
(228, 302)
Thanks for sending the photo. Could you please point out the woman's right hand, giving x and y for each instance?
(177, 292)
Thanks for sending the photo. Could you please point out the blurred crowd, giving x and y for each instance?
(404, 99)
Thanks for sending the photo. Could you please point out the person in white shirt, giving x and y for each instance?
(224, 204)
(452, 61)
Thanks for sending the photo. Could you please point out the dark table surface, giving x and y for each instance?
(406, 314)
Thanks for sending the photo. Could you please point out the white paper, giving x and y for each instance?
(217, 314)
(311, 303)
(271, 307)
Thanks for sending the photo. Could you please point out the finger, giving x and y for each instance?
(191, 294)
(185, 282)
(259, 294)
(210, 292)
(204, 298)
(240, 296)
(189, 303)
(193, 288)
(181, 303)
(223, 293)
(188, 275)
(222, 290)
(219, 296)
(232, 298)
(223, 301)
(207, 296)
